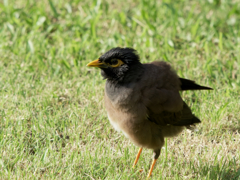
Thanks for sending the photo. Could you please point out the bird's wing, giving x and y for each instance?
(163, 106)
(184, 117)
(162, 99)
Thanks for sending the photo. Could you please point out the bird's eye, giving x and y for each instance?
(116, 63)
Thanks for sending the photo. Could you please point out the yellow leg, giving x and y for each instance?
(151, 169)
(137, 157)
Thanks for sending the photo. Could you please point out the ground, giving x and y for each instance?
(53, 121)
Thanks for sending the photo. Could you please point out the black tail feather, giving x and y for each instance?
(187, 84)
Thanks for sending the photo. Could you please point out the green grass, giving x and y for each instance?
(53, 123)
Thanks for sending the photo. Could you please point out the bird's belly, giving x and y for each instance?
(114, 124)
(142, 134)
(117, 126)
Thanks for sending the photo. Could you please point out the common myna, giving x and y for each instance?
(143, 100)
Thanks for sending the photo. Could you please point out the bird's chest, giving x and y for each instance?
(121, 97)
(120, 109)
(124, 113)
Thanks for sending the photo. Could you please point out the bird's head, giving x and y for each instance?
(117, 63)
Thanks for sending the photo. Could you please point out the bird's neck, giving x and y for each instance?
(115, 88)
(133, 75)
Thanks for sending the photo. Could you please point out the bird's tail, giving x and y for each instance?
(187, 84)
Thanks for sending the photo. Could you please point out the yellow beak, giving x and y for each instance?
(96, 63)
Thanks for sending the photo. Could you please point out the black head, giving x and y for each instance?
(126, 55)
(117, 63)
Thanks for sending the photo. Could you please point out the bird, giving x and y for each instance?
(143, 101)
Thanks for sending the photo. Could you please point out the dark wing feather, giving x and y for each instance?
(187, 117)
(187, 84)
(181, 118)
(160, 95)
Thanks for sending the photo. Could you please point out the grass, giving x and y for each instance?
(53, 123)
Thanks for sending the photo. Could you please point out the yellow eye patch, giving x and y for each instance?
(116, 63)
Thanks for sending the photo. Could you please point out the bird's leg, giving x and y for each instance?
(137, 157)
(155, 157)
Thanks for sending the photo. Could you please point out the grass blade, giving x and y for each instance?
(53, 9)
